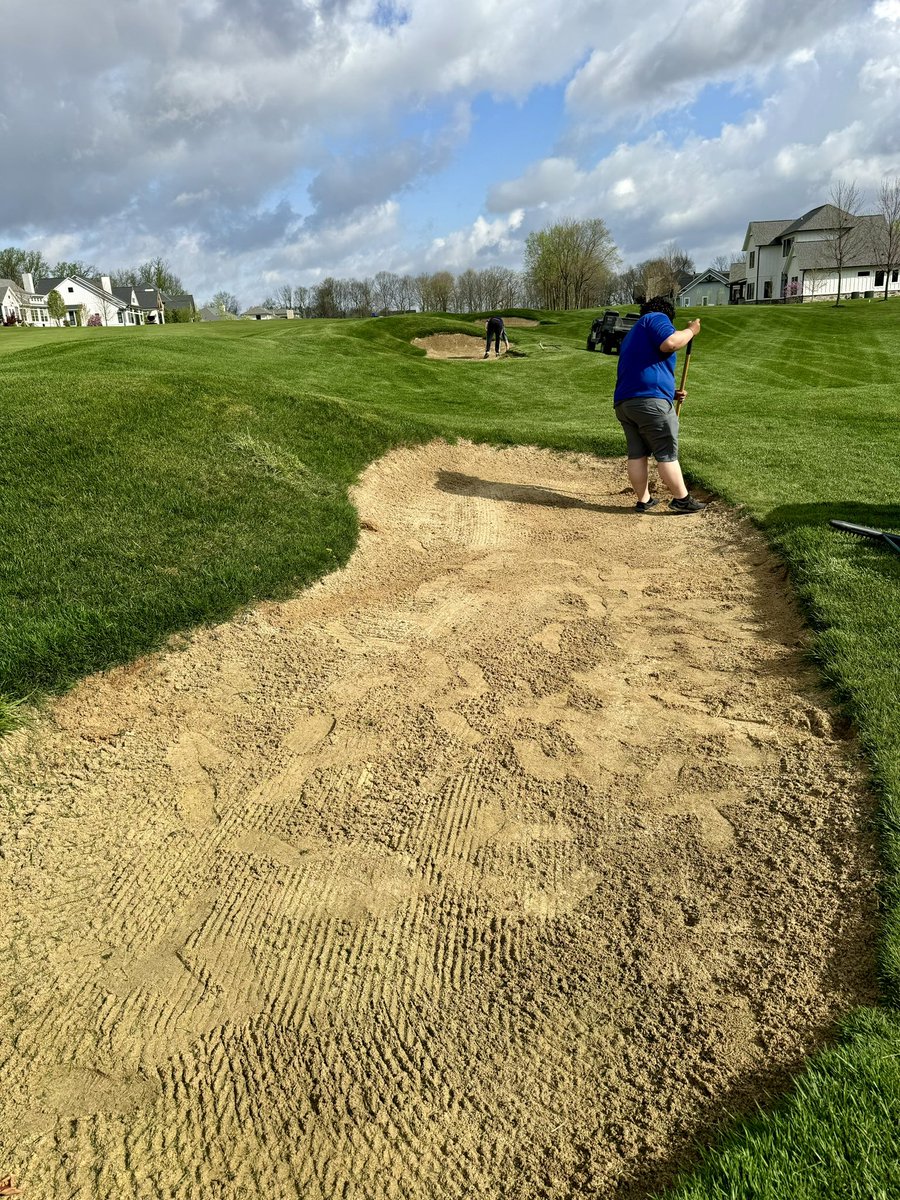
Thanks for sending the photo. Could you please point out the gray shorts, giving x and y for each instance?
(651, 427)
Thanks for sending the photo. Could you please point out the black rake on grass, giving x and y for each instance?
(891, 540)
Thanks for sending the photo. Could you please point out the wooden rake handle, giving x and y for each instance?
(684, 371)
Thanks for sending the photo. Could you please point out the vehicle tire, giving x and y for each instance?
(607, 348)
(591, 345)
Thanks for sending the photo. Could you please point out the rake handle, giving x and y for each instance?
(684, 371)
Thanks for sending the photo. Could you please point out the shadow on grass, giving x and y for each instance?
(792, 523)
(880, 516)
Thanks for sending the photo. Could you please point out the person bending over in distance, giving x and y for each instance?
(645, 403)
(495, 329)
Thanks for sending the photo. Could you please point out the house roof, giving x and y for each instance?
(860, 250)
(711, 274)
(10, 285)
(45, 286)
(208, 313)
(184, 301)
(259, 311)
(126, 293)
(148, 298)
(737, 270)
(825, 216)
(763, 233)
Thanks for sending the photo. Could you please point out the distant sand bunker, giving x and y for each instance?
(452, 345)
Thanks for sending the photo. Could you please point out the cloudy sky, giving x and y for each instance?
(254, 143)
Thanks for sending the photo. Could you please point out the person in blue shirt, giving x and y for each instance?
(645, 403)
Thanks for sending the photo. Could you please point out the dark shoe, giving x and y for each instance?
(486, 354)
(687, 504)
(644, 505)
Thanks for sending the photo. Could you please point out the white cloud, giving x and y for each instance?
(464, 247)
(671, 53)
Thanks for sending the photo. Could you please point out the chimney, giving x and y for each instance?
(28, 281)
(106, 283)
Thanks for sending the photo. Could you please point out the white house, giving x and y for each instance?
(88, 301)
(709, 287)
(794, 259)
(261, 313)
(21, 305)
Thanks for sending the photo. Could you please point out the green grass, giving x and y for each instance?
(158, 478)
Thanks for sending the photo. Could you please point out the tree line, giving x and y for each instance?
(572, 264)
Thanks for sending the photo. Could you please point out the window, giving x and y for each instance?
(705, 301)
(752, 261)
(749, 291)
(767, 290)
(893, 276)
(879, 278)
(786, 247)
(70, 289)
(863, 274)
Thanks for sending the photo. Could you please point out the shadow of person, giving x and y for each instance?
(457, 484)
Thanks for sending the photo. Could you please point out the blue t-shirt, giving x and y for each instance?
(643, 371)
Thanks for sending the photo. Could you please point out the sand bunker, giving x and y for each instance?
(456, 345)
(500, 863)
(520, 323)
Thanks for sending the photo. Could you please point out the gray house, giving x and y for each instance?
(794, 259)
(709, 287)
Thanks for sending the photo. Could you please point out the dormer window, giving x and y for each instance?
(786, 247)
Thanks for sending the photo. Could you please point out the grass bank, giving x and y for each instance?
(159, 478)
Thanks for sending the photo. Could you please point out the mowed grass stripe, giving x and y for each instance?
(155, 479)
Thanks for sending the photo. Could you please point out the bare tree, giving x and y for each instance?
(678, 260)
(225, 303)
(663, 276)
(285, 296)
(512, 288)
(468, 292)
(385, 287)
(721, 263)
(359, 298)
(406, 293)
(494, 288)
(839, 244)
(301, 300)
(324, 298)
(887, 240)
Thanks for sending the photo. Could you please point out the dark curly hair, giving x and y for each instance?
(660, 304)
